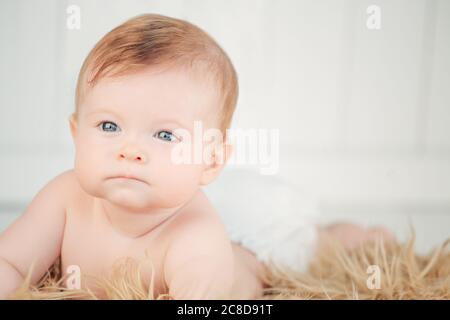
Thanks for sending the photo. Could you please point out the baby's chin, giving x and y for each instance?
(134, 196)
(138, 197)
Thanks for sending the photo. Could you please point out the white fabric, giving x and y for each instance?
(269, 216)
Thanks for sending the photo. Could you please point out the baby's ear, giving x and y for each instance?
(222, 153)
(73, 125)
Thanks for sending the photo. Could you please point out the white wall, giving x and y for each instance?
(364, 115)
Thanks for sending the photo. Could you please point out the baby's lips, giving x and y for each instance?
(130, 177)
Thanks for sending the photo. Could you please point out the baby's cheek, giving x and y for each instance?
(87, 166)
(179, 182)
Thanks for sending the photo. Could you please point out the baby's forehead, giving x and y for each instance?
(155, 92)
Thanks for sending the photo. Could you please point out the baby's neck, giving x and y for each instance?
(135, 224)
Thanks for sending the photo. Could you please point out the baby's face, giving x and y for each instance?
(126, 127)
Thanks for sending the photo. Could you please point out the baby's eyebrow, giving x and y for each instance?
(174, 122)
(103, 111)
(166, 121)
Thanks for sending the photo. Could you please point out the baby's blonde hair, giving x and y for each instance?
(157, 40)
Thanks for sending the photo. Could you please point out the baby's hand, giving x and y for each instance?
(351, 235)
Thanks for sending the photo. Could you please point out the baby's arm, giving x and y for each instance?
(35, 236)
(199, 263)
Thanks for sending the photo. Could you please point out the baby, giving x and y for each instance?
(139, 93)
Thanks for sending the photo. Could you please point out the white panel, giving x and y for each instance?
(386, 73)
(372, 179)
(27, 78)
(439, 117)
(294, 87)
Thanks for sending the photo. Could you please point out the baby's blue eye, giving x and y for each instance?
(166, 136)
(109, 126)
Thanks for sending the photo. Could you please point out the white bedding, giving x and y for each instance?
(273, 218)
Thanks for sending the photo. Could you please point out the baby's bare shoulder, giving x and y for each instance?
(200, 221)
(61, 187)
(70, 189)
(65, 191)
(66, 179)
(198, 232)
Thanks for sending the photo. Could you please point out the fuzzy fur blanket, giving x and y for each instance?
(334, 274)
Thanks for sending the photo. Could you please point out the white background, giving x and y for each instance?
(364, 115)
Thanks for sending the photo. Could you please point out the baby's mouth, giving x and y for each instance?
(129, 177)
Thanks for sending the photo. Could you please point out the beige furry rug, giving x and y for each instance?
(334, 274)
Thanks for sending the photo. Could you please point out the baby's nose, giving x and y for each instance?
(133, 155)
